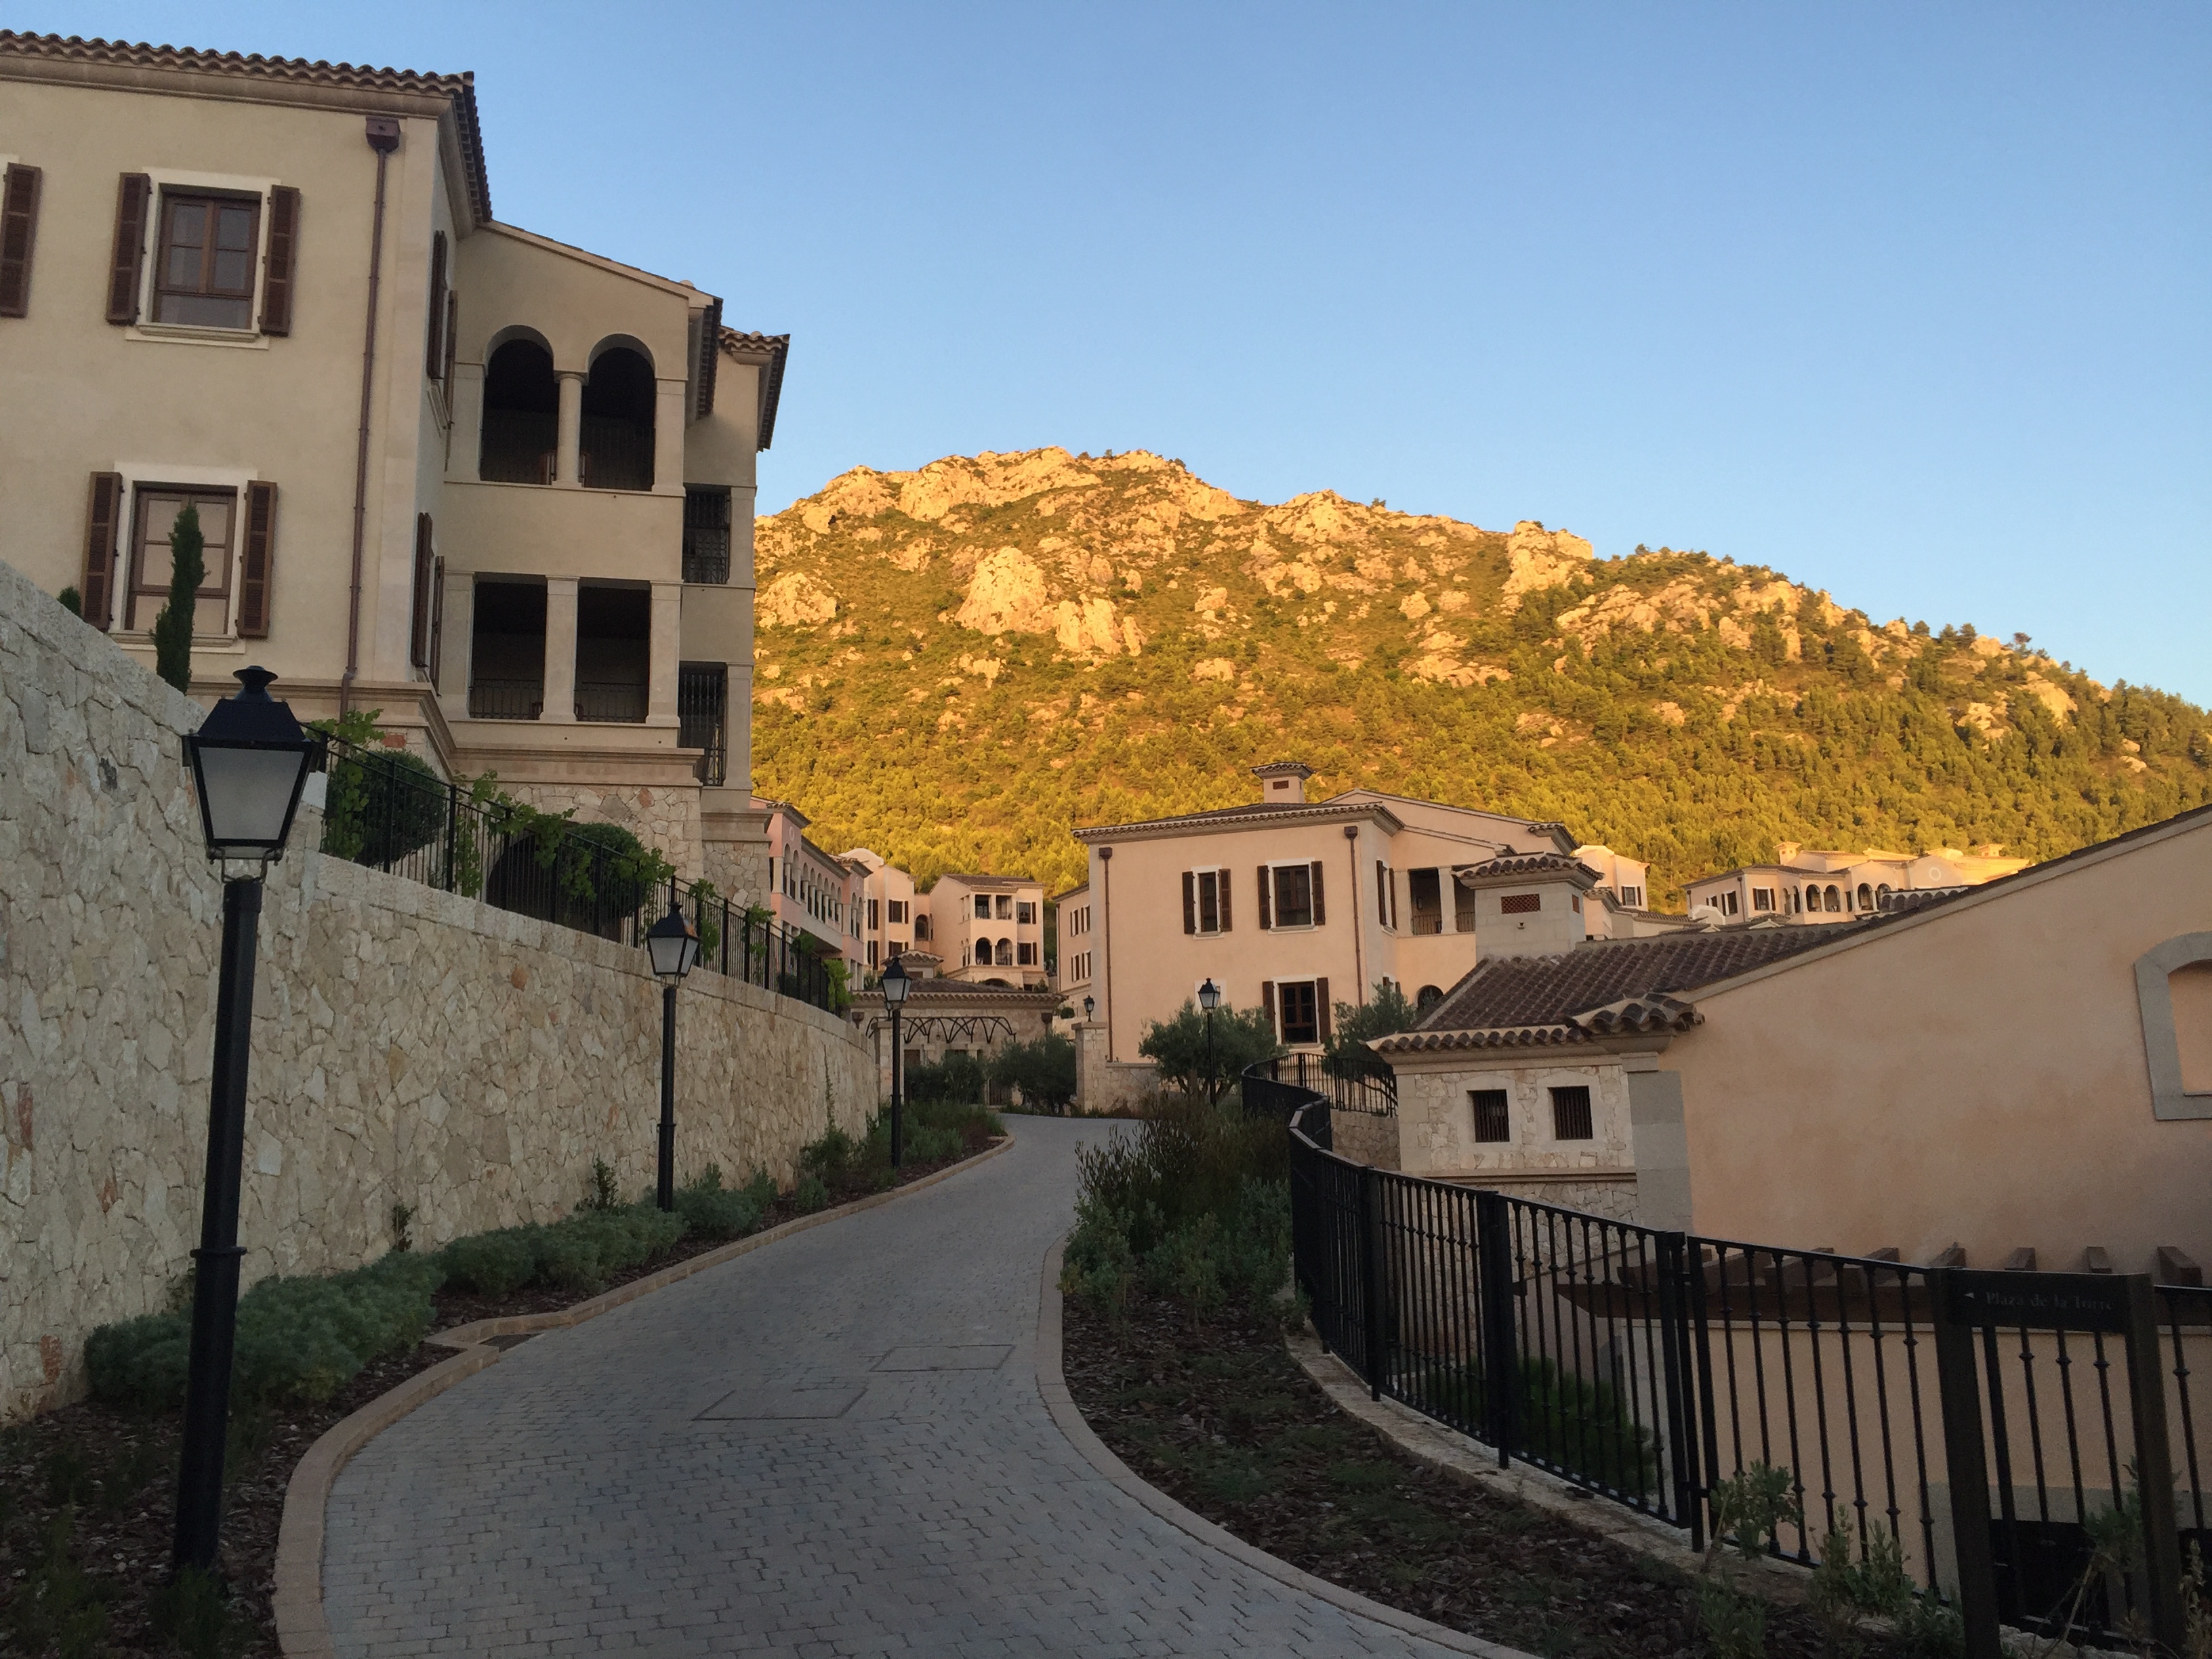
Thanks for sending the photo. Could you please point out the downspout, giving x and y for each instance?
(1358, 968)
(1106, 918)
(383, 138)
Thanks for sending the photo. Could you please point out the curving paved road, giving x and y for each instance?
(834, 1445)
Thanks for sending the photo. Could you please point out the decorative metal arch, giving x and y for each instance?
(980, 1029)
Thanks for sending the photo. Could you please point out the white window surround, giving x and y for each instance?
(2170, 1101)
(251, 338)
(1275, 923)
(137, 474)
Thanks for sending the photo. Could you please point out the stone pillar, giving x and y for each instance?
(668, 437)
(663, 648)
(465, 443)
(571, 431)
(561, 635)
(458, 641)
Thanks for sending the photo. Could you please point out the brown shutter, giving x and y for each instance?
(437, 618)
(433, 352)
(257, 567)
(1266, 901)
(418, 631)
(283, 248)
(19, 230)
(132, 196)
(1189, 903)
(1267, 1002)
(1321, 910)
(102, 514)
(1222, 884)
(1320, 1006)
(452, 334)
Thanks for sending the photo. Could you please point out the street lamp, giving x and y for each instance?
(896, 983)
(1089, 1009)
(249, 762)
(673, 945)
(1209, 997)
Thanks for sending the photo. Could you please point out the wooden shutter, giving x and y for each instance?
(1320, 1006)
(19, 229)
(419, 616)
(283, 250)
(1222, 882)
(133, 194)
(437, 618)
(102, 514)
(434, 351)
(1189, 902)
(1321, 910)
(452, 334)
(1266, 901)
(1267, 1002)
(257, 568)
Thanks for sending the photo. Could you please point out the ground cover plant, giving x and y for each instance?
(88, 1492)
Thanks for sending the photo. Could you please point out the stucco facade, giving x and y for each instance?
(1007, 945)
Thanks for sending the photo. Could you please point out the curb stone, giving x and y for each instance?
(302, 1631)
(1052, 1384)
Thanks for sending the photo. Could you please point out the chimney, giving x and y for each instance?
(1283, 783)
(1529, 904)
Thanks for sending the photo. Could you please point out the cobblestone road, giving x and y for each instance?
(834, 1445)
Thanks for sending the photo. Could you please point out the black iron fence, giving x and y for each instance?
(388, 810)
(1296, 1078)
(2023, 1443)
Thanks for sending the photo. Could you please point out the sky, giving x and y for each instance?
(1912, 303)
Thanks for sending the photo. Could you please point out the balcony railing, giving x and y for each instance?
(505, 700)
(615, 454)
(518, 446)
(1428, 921)
(610, 700)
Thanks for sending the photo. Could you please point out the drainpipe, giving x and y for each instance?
(1106, 920)
(383, 138)
(1358, 969)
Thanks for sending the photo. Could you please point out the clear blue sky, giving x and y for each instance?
(1911, 303)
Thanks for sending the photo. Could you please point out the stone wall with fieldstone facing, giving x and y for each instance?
(410, 1046)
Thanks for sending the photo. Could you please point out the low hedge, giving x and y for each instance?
(576, 1253)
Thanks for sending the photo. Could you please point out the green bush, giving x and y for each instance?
(712, 1211)
(958, 1079)
(492, 1264)
(1241, 1037)
(810, 1194)
(1044, 1070)
(1571, 1423)
(829, 1156)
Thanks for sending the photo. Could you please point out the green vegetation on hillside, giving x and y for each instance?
(956, 665)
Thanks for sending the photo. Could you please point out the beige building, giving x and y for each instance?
(945, 1017)
(892, 921)
(809, 890)
(1294, 905)
(2023, 1067)
(1076, 941)
(499, 487)
(1804, 885)
(986, 929)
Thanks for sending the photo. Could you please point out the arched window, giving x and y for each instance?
(1812, 898)
(1882, 896)
(1005, 953)
(1866, 896)
(1427, 997)
(521, 415)
(1835, 900)
(616, 443)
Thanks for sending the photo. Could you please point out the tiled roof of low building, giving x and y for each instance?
(1509, 994)
(62, 50)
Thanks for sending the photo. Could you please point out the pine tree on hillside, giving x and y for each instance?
(173, 629)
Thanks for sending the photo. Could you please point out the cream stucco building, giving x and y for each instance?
(988, 928)
(1806, 885)
(2022, 1069)
(1294, 905)
(892, 923)
(499, 487)
(813, 893)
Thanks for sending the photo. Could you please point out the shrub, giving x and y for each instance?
(829, 1156)
(711, 1211)
(1044, 1070)
(810, 1195)
(492, 1264)
(1241, 1037)
(958, 1079)
(760, 1187)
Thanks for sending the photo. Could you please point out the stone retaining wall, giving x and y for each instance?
(410, 1047)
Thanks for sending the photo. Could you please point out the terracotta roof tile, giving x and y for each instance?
(253, 66)
(1530, 864)
(776, 347)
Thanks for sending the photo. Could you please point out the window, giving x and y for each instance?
(1205, 901)
(1571, 1113)
(1424, 892)
(1492, 1120)
(1025, 913)
(1882, 896)
(1005, 957)
(872, 953)
(158, 511)
(1520, 904)
(1762, 898)
(898, 912)
(1632, 897)
(1430, 995)
(1462, 908)
(521, 437)
(1294, 895)
(614, 435)
(1005, 907)
(706, 534)
(614, 652)
(982, 907)
(1301, 1011)
(210, 245)
(1833, 901)
(875, 915)
(922, 927)
(1728, 903)
(1025, 955)
(1866, 896)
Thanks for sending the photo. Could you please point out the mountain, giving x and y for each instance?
(957, 665)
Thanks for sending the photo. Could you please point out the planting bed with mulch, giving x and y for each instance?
(1219, 1416)
(88, 1493)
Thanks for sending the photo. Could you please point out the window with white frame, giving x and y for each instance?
(1205, 901)
(1762, 898)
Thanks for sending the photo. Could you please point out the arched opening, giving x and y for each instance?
(1882, 896)
(1427, 997)
(1006, 958)
(1812, 898)
(521, 415)
(616, 441)
(1866, 896)
(1835, 900)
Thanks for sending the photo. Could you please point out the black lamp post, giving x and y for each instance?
(1089, 1009)
(673, 945)
(896, 983)
(249, 762)
(1209, 997)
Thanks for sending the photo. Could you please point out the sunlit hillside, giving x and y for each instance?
(956, 665)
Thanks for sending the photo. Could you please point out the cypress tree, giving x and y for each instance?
(173, 629)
